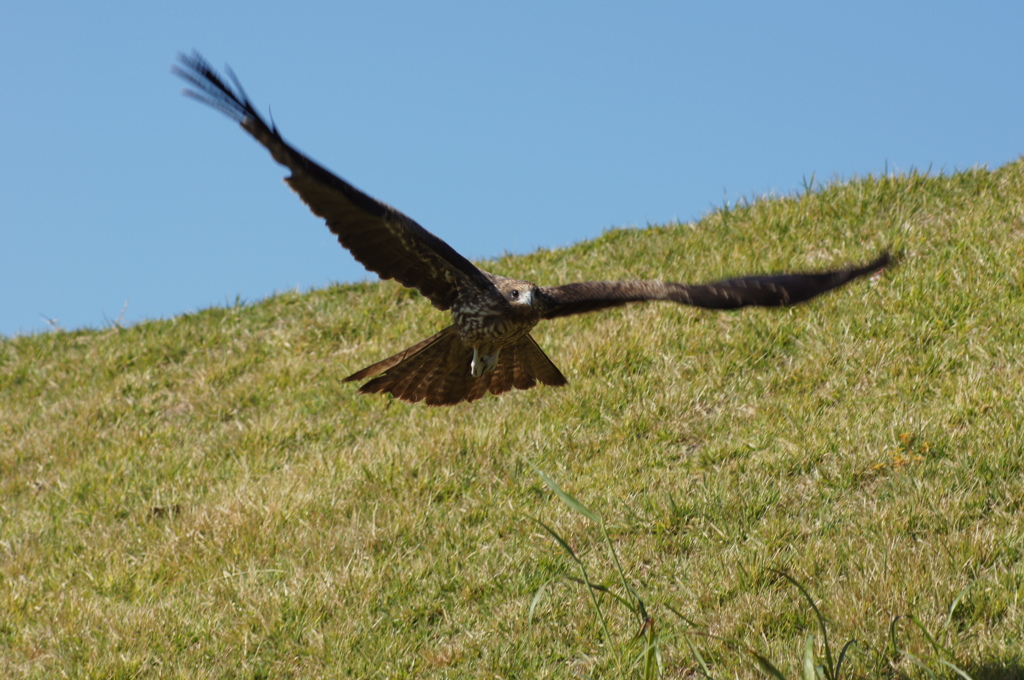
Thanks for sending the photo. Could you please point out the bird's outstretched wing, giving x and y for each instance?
(770, 290)
(384, 240)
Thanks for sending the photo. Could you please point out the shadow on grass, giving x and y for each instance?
(1012, 669)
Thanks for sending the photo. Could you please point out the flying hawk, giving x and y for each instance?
(488, 347)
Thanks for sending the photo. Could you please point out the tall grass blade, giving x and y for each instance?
(934, 643)
(894, 651)
(538, 596)
(956, 669)
(956, 603)
(767, 667)
(842, 657)
(567, 498)
(809, 673)
(697, 655)
(920, 664)
(606, 590)
(821, 619)
(558, 539)
(586, 577)
(640, 609)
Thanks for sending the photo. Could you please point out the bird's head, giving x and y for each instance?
(519, 293)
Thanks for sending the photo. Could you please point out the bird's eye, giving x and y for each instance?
(515, 295)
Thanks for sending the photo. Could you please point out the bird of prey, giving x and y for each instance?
(488, 347)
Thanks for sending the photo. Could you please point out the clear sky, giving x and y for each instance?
(498, 126)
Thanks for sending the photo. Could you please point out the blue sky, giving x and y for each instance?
(498, 126)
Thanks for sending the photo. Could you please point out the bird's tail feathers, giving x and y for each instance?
(436, 371)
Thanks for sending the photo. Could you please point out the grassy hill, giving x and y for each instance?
(204, 498)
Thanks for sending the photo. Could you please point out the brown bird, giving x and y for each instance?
(488, 347)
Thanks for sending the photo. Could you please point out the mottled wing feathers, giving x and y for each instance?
(770, 290)
(381, 238)
(436, 371)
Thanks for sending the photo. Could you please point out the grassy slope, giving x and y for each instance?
(204, 497)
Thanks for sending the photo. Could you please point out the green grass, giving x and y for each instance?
(203, 497)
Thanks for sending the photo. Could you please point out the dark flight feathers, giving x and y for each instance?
(764, 290)
(381, 238)
(437, 370)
